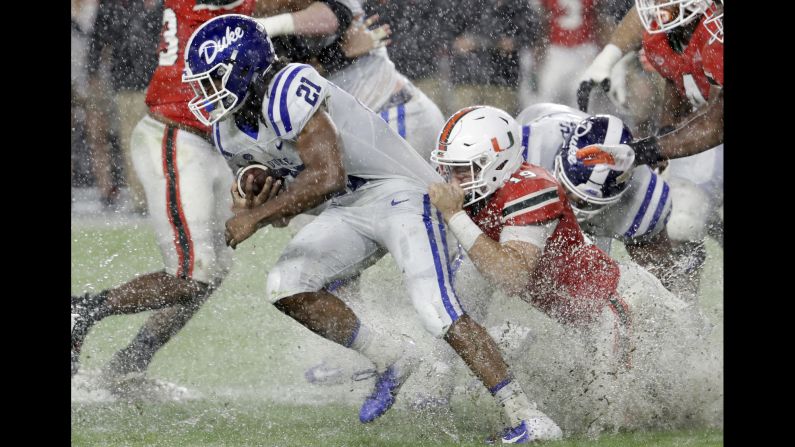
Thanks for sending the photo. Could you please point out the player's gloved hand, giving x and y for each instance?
(597, 73)
(447, 198)
(619, 157)
(645, 151)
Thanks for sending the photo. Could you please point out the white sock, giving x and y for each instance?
(381, 349)
(514, 402)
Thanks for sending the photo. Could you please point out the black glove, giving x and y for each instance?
(647, 151)
(584, 92)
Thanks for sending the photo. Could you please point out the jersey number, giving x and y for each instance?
(309, 91)
(525, 174)
(572, 18)
(168, 40)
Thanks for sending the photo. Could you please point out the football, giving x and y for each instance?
(258, 172)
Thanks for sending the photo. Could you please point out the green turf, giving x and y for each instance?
(235, 423)
(246, 359)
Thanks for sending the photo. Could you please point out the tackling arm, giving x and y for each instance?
(507, 265)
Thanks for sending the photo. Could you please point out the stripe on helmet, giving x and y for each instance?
(615, 127)
(448, 127)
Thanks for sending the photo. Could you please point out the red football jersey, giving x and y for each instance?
(572, 22)
(167, 95)
(685, 69)
(574, 280)
(712, 61)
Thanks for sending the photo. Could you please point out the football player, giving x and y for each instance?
(516, 224)
(373, 79)
(327, 145)
(505, 211)
(678, 44)
(630, 204)
(185, 180)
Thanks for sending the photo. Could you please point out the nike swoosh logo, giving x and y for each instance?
(513, 440)
(398, 202)
(279, 146)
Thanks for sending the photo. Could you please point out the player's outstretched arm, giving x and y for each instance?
(507, 265)
(700, 133)
(697, 135)
(320, 150)
(316, 19)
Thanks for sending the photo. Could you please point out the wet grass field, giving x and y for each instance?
(243, 363)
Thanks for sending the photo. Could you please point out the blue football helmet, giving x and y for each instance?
(222, 58)
(596, 186)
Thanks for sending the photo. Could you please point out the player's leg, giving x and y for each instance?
(416, 237)
(163, 324)
(687, 230)
(328, 248)
(132, 107)
(180, 199)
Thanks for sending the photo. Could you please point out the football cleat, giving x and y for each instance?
(387, 386)
(383, 396)
(513, 435)
(537, 427)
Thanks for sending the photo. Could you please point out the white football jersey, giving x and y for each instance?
(643, 209)
(371, 150)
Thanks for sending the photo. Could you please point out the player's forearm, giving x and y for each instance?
(500, 265)
(311, 188)
(674, 106)
(628, 35)
(701, 133)
(316, 20)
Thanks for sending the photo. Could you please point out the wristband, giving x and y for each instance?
(465, 230)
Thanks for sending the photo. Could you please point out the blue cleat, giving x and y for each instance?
(383, 397)
(539, 427)
(513, 435)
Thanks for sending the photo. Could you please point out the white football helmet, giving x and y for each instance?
(714, 22)
(484, 137)
(660, 16)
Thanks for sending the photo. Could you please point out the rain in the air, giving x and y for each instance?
(397, 222)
